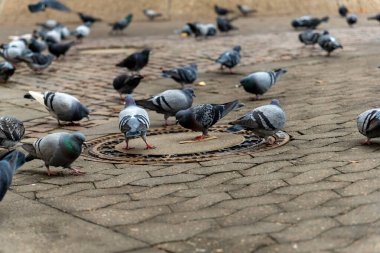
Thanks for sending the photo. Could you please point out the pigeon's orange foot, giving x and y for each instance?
(149, 146)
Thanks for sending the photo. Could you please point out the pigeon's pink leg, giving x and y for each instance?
(367, 142)
(148, 146)
(77, 172)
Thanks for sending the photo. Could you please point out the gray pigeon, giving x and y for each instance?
(368, 124)
(12, 131)
(57, 149)
(309, 37)
(61, 106)
(183, 75)
(230, 58)
(259, 83)
(12, 53)
(82, 31)
(202, 117)
(136, 61)
(264, 121)
(37, 61)
(328, 42)
(122, 24)
(245, 10)
(9, 163)
(201, 30)
(43, 4)
(169, 102)
(351, 19)
(224, 24)
(6, 71)
(151, 14)
(134, 122)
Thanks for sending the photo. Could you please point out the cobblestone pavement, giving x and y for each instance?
(319, 193)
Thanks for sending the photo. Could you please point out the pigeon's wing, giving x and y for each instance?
(8, 164)
(11, 129)
(205, 115)
(36, 7)
(373, 123)
(54, 4)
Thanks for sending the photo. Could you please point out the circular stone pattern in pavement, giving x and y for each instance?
(170, 149)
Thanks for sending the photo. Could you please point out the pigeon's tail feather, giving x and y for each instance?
(147, 104)
(38, 96)
(234, 128)
(325, 19)
(31, 150)
(228, 107)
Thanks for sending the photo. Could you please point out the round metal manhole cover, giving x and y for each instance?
(171, 149)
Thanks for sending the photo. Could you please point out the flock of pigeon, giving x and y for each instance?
(62, 149)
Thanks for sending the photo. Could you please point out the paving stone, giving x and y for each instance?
(149, 203)
(311, 176)
(220, 168)
(355, 200)
(202, 201)
(214, 180)
(149, 250)
(123, 190)
(235, 231)
(173, 170)
(75, 203)
(366, 245)
(261, 178)
(300, 189)
(179, 217)
(309, 200)
(121, 180)
(362, 214)
(64, 190)
(362, 187)
(158, 191)
(248, 215)
(179, 178)
(213, 189)
(87, 178)
(254, 201)
(33, 187)
(353, 232)
(352, 177)
(362, 165)
(257, 189)
(153, 232)
(305, 230)
(296, 216)
(116, 217)
(266, 168)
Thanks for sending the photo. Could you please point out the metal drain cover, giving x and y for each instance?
(110, 148)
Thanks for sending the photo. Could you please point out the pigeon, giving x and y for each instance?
(36, 45)
(169, 102)
(52, 4)
(202, 117)
(49, 24)
(368, 124)
(82, 31)
(351, 19)
(259, 83)
(54, 36)
(222, 11)
(136, 61)
(224, 24)
(308, 22)
(202, 30)
(6, 71)
(183, 75)
(60, 49)
(309, 37)
(134, 122)
(186, 30)
(343, 11)
(87, 18)
(376, 17)
(230, 58)
(151, 14)
(264, 121)
(125, 84)
(9, 163)
(245, 10)
(37, 61)
(57, 149)
(13, 53)
(328, 43)
(12, 131)
(61, 106)
(122, 24)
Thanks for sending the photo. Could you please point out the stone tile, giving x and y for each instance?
(202, 201)
(220, 168)
(213, 189)
(121, 180)
(64, 190)
(175, 179)
(368, 244)
(87, 178)
(266, 168)
(355, 200)
(257, 189)
(352, 177)
(311, 176)
(313, 166)
(309, 200)
(154, 232)
(117, 217)
(305, 230)
(123, 190)
(174, 170)
(158, 191)
(360, 215)
(260, 178)
(148, 203)
(362, 187)
(254, 201)
(214, 180)
(300, 189)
